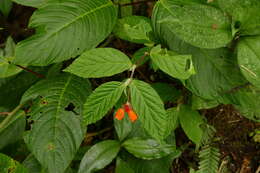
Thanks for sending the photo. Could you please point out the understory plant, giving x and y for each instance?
(71, 77)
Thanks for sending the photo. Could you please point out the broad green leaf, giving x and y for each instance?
(136, 29)
(102, 100)
(200, 25)
(12, 131)
(65, 30)
(5, 7)
(246, 101)
(190, 122)
(177, 66)
(149, 108)
(216, 73)
(249, 59)
(100, 62)
(55, 124)
(148, 149)
(8, 164)
(12, 88)
(122, 166)
(173, 114)
(245, 15)
(99, 156)
(200, 103)
(167, 92)
(209, 160)
(32, 165)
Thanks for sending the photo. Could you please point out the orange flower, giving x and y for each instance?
(132, 115)
(120, 113)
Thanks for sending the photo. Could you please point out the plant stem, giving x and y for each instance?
(10, 116)
(33, 72)
(99, 132)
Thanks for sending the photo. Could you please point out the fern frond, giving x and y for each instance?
(209, 160)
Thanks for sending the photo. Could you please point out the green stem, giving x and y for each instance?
(10, 116)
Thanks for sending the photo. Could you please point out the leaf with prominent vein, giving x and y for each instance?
(65, 30)
(56, 133)
(100, 62)
(149, 108)
(102, 100)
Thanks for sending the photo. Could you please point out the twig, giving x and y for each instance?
(33, 72)
(10, 115)
(4, 113)
(98, 133)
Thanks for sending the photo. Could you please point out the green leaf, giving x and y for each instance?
(177, 66)
(13, 130)
(200, 25)
(245, 15)
(149, 108)
(246, 101)
(100, 62)
(249, 59)
(99, 156)
(6, 67)
(65, 30)
(102, 100)
(148, 148)
(200, 103)
(10, 165)
(173, 114)
(216, 73)
(166, 91)
(55, 125)
(190, 122)
(32, 165)
(135, 29)
(125, 10)
(122, 166)
(31, 3)
(5, 7)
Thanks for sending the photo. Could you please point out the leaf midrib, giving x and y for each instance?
(77, 18)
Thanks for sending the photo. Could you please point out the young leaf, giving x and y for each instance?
(13, 130)
(55, 125)
(8, 164)
(245, 15)
(140, 56)
(249, 59)
(123, 127)
(190, 122)
(99, 156)
(177, 66)
(70, 28)
(101, 101)
(149, 108)
(5, 7)
(148, 149)
(100, 62)
(200, 25)
(135, 29)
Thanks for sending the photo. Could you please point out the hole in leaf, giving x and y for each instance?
(237, 24)
(70, 107)
(188, 64)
